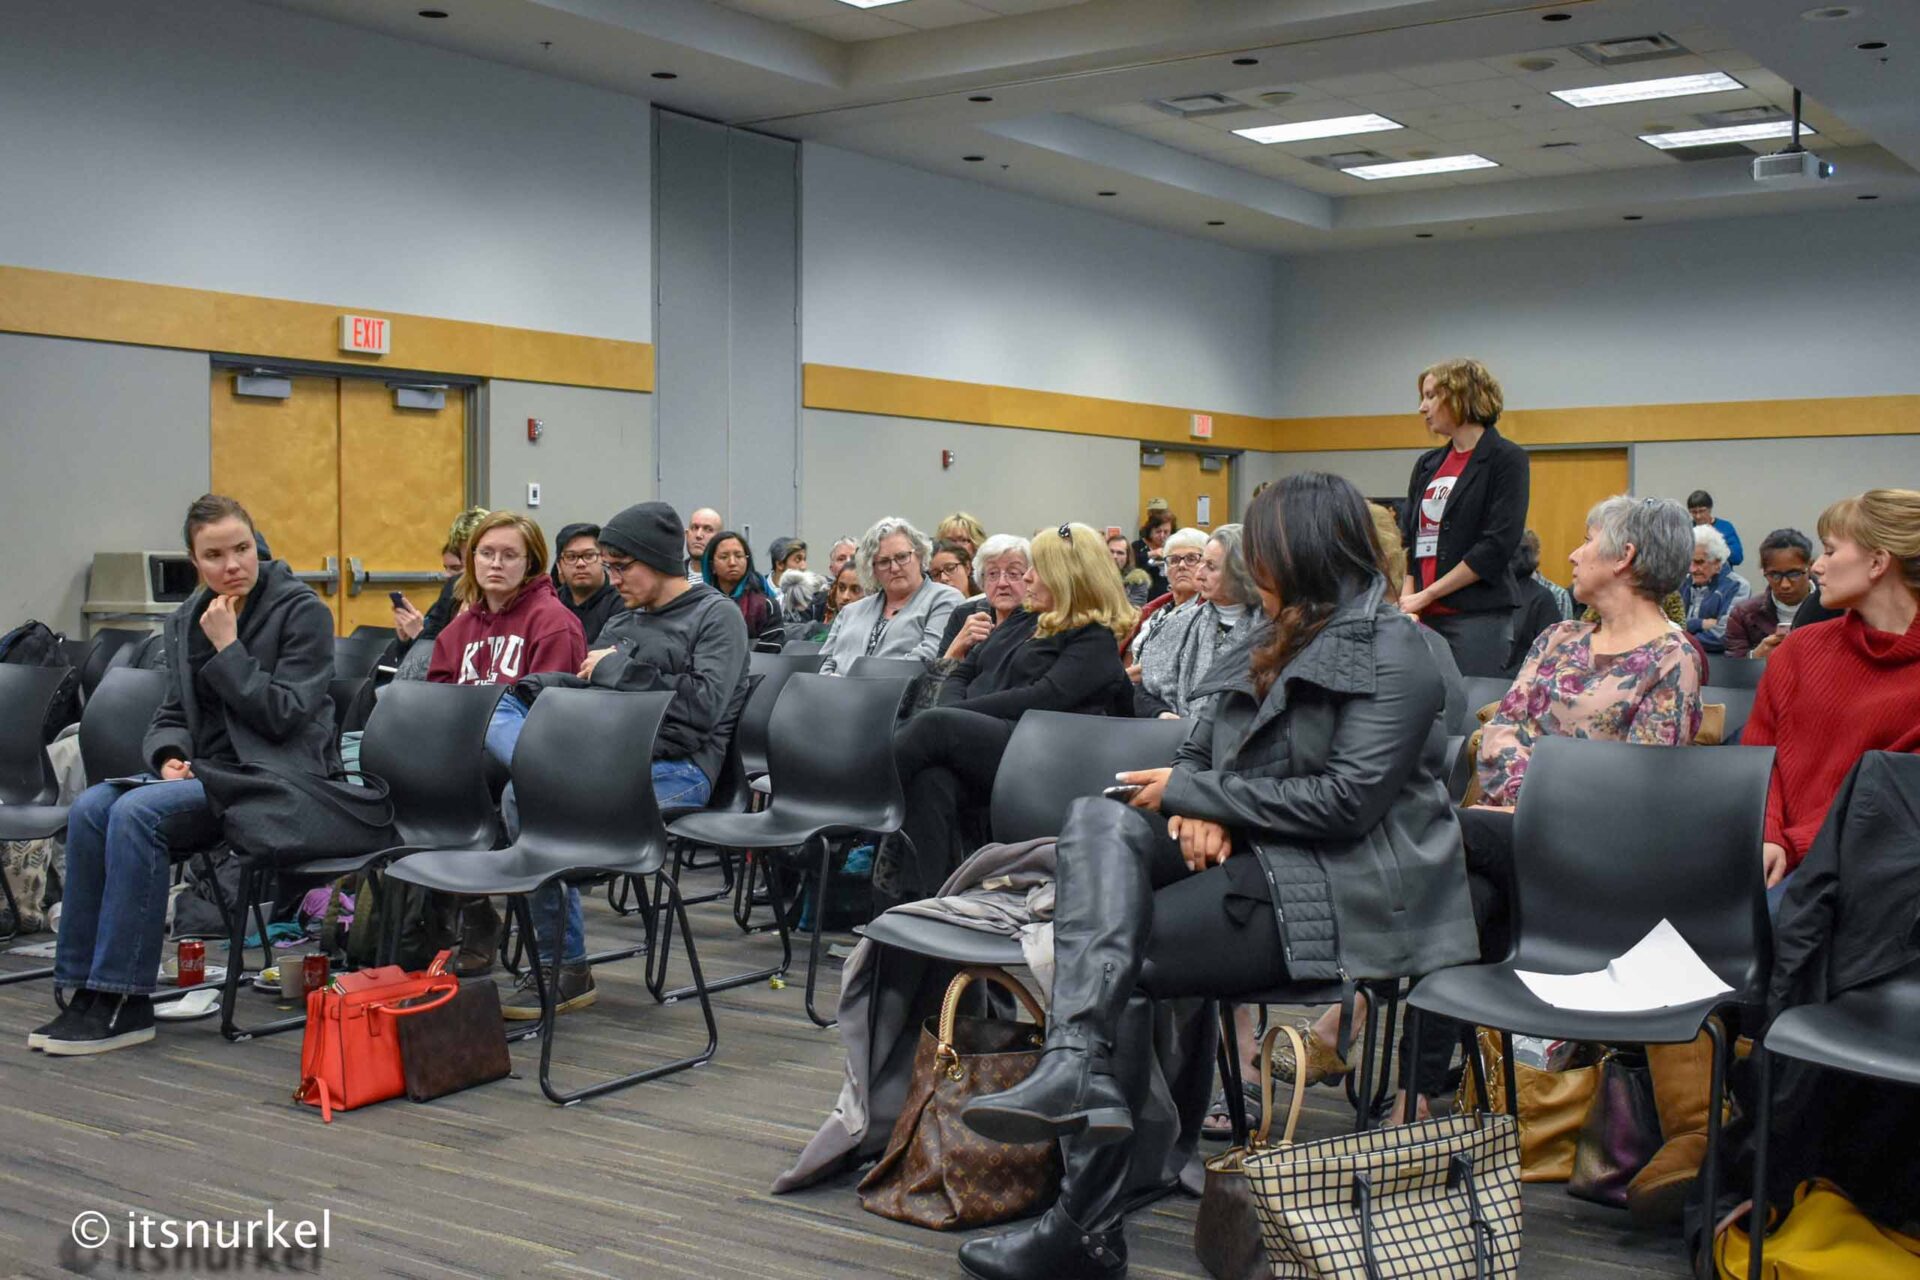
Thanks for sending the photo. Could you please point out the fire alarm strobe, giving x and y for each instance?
(946, 459)
(535, 429)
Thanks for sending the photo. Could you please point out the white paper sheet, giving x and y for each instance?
(1660, 971)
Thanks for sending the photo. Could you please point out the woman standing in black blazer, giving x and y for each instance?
(1466, 509)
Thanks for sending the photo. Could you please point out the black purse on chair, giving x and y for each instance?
(285, 816)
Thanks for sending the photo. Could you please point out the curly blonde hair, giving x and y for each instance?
(1470, 393)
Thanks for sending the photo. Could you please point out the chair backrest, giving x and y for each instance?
(112, 648)
(26, 697)
(355, 656)
(1480, 691)
(151, 655)
(830, 751)
(886, 668)
(114, 726)
(1737, 673)
(384, 635)
(427, 742)
(774, 670)
(801, 647)
(731, 793)
(1737, 701)
(583, 775)
(1055, 757)
(343, 690)
(1610, 838)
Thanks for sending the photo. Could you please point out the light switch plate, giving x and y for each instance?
(533, 493)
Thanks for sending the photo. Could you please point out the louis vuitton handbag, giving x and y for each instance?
(936, 1172)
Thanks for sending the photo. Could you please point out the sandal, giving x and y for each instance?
(1219, 1121)
(1324, 1066)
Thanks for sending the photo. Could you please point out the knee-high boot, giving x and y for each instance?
(1682, 1089)
(1103, 904)
(1080, 1238)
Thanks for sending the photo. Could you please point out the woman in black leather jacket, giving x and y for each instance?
(1312, 788)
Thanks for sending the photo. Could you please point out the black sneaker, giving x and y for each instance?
(574, 992)
(77, 1006)
(113, 1022)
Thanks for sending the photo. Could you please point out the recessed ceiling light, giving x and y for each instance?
(973, 159)
(1536, 64)
(981, 97)
(1279, 97)
(1106, 193)
(1732, 133)
(1829, 13)
(1417, 168)
(666, 75)
(1305, 130)
(1632, 217)
(1606, 95)
(1423, 235)
(1246, 62)
(433, 13)
(1556, 17)
(1866, 197)
(1216, 222)
(1871, 45)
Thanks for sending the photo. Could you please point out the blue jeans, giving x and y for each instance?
(676, 784)
(115, 898)
(1778, 892)
(503, 731)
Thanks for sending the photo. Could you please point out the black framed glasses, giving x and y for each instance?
(1784, 575)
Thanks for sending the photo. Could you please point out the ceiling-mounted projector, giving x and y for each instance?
(1791, 169)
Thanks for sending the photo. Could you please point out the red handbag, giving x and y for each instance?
(351, 1055)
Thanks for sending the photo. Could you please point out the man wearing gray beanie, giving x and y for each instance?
(672, 635)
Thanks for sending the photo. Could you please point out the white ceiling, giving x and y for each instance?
(1071, 83)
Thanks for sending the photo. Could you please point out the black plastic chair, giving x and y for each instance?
(1737, 701)
(1598, 838)
(26, 696)
(888, 668)
(111, 731)
(830, 751)
(577, 825)
(1737, 673)
(1480, 691)
(774, 670)
(800, 648)
(427, 742)
(344, 691)
(355, 656)
(384, 635)
(1871, 1031)
(149, 655)
(107, 644)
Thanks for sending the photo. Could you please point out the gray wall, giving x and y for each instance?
(595, 458)
(860, 467)
(1379, 473)
(727, 340)
(105, 445)
(1762, 485)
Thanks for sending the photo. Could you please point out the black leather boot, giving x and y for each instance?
(1103, 902)
(1079, 1238)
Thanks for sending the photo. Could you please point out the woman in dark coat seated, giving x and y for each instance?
(1061, 652)
(249, 657)
(1318, 775)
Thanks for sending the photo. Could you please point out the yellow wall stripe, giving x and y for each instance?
(907, 396)
(57, 304)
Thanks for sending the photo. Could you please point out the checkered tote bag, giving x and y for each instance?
(1439, 1200)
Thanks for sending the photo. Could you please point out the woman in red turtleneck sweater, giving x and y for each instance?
(1837, 690)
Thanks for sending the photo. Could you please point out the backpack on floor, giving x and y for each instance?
(35, 644)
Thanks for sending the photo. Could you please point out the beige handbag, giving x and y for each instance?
(1226, 1231)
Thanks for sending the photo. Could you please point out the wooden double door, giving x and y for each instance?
(1199, 498)
(352, 491)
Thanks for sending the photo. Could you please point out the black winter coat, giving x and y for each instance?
(1011, 673)
(1336, 782)
(1484, 518)
(272, 681)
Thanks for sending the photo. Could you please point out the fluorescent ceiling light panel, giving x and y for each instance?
(1607, 95)
(1731, 133)
(1307, 130)
(1416, 168)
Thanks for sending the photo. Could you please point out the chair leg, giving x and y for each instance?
(1711, 1173)
(1368, 1054)
(1762, 1132)
(547, 1019)
(1232, 1083)
(656, 977)
(819, 922)
(1511, 1074)
(1390, 1020)
(1410, 1065)
(252, 880)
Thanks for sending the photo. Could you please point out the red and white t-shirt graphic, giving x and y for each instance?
(1433, 505)
(493, 660)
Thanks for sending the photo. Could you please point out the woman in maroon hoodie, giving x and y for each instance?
(510, 625)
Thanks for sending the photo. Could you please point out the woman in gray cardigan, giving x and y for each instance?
(904, 612)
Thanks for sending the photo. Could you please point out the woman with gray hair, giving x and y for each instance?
(1181, 557)
(905, 611)
(1184, 649)
(1000, 567)
(1711, 588)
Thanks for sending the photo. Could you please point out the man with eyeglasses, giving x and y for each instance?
(580, 580)
(671, 634)
(1792, 598)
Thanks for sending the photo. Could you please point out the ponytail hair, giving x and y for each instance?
(1310, 542)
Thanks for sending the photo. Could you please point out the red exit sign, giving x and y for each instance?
(1201, 426)
(369, 334)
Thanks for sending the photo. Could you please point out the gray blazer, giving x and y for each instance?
(914, 632)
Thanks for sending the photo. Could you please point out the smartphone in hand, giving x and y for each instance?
(1124, 792)
(399, 599)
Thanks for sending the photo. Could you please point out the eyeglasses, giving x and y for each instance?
(498, 555)
(1186, 561)
(1006, 573)
(579, 557)
(887, 564)
(618, 568)
(1784, 575)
